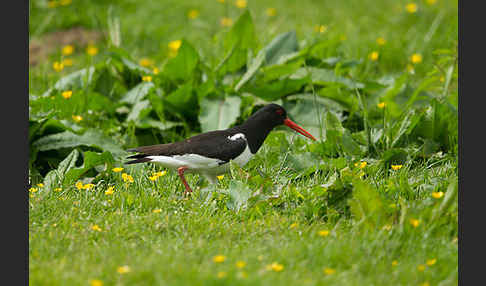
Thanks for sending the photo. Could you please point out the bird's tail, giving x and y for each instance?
(138, 158)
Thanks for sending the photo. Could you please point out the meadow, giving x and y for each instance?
(372, 202)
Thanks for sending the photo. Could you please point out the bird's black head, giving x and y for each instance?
(271, 115)
(258, 126)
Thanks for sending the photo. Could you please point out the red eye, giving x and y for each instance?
(280, 111)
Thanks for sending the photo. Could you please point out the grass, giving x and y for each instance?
(381, 226)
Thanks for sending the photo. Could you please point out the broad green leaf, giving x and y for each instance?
(325, 77)
(91, 137)
(279, 47)
(76, 80)
(183, 101)
(404, 125)
(91, 160)
(350, 146)
(182, 66)
(55, 177)
(367, 206)
(218, 114)
(276, 89)
(137, 93)
(148, 122)
(309, 111)
(282, 45)
(237, 42)
(141, 107)
(255, 64)
(238, 193)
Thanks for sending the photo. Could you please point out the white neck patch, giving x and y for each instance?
(237, 136)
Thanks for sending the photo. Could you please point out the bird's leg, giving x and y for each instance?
(180, 171)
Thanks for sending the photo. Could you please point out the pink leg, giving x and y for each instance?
(180, 171)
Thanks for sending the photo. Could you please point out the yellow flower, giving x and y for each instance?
(174, 47)
(381, 105)
(153, 178)
(240, 4)
(91, 50)
(40, 185)
(52, 4)
(110, 190)
(442, 78)
(437, 195)
(117, 169)
(220, 177)
(219, 258)
(96, 228)
(421, 267)
(95, 282)
(127, 178)
(226, 22)
(394, 263)
(387, 227)
(396, 167)
(277, 267)
(58, 66)
(67, 94)
(431, 2)
(193, 14)
(414, 222)
(431, 262)
(65, 2)
(221, 274)
(380, 41)
(147, 78)
(240, 264)
(329, 271)
(320, 28)
(155, 71)
(32, 190)
(373, 56)
(123, 269)
(57, 189)
(145, 62)
(323, 233)
(77, 118)
(425, 284)
(411, 7)
(31, 196)
(156, 211)
(294, 225)
(260, 257)
(88, 186)
(221, 1)
(79, 185)
(160, 173)
(67, 50)
(361, 165)
(416, 58)
(271, 12)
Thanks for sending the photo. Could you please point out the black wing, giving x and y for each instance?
(213, 144)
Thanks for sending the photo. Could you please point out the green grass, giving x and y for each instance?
(297, 187)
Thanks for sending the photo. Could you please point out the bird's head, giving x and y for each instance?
(276, 115)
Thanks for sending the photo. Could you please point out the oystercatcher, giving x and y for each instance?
(209, 153)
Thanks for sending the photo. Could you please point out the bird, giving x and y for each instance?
(209, 154)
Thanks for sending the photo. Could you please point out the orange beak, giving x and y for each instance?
(299, 129)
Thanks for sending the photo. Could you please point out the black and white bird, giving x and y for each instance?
(209, 153)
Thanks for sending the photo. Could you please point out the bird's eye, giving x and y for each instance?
(279, 111)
